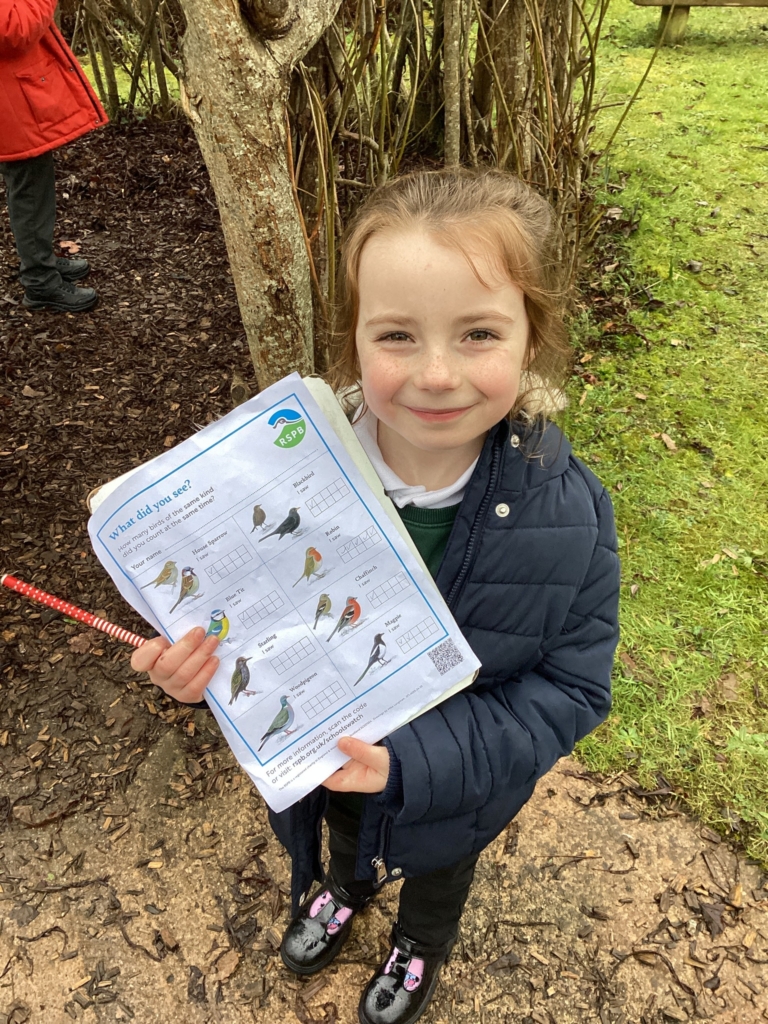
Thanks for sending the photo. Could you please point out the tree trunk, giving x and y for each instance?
(452, 80)
(235, 87)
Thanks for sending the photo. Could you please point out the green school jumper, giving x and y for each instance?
(429, 529)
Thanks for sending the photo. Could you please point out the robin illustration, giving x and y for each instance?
(323, 608)
(282, 722)
(219, 625)
(288, 525)
(312, 562)
(259, 517)
(376, 656)
(190, 585)
(348, 617)
(167, 577)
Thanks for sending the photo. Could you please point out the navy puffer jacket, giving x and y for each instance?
(531, 575)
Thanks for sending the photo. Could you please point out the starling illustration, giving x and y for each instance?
(288, 525)
(282, 722)
(259, 516)
(168, 576)
(376, 656)
(219, 625)
(312, 562)
(348, 617)
(323, 608)
(240, 679)
(190, 585)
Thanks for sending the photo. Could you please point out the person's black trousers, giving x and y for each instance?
(430, 905)
(31, 189)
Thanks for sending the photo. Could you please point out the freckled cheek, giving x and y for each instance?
(497, 378)
(382, 378)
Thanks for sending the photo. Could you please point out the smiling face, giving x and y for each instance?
(440, 352)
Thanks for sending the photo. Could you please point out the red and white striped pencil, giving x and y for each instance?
(71, 610)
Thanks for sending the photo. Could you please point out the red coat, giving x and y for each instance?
(45, 98)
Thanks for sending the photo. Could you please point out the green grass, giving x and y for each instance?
(123, 80)
(691, 685)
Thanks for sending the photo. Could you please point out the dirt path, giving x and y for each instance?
(167, 903)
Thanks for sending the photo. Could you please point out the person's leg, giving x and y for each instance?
(426, 929)
(431, 905)
(315, 936)
(31, 190)
(343, 818)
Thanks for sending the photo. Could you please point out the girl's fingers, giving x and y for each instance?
(193, 691)
(143, 658)
(193, 648)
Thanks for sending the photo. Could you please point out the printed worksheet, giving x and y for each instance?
(271, 530)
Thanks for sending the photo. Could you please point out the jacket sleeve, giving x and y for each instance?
(448, 761)
(23, 23)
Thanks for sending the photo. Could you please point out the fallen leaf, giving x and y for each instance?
(80, 644)
(29, 392)
(634, 589)
(675, 342)
(730, 552)
(642, 397)
(629, 662)
(669, 442)
(587, 357)
(728, 685)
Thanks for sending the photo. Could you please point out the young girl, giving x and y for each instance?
(449, 312)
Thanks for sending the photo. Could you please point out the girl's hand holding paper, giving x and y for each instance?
(366, 772)
(183, 669)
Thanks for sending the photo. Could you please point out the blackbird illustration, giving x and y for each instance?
(219, 625)
(348, 617)
(288, 525)
(259, 517)
(282, 722)
(376, 656)
(190, 585)
(240, 679)
(323, 608)
(312, 562)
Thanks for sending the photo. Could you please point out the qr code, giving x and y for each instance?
(445, 656)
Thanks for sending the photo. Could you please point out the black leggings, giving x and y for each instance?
(430, 905)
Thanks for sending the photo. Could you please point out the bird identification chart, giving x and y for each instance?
(263, 529)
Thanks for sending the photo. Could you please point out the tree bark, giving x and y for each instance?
(234, 89)
(452, 81)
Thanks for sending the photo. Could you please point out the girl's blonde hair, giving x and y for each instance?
(469, 211)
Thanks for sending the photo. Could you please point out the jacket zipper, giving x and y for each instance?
(476, 526)
(378, 863)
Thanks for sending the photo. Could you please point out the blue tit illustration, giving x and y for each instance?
(167, 577)
(219, 624)
(190, 585)
(282, 722)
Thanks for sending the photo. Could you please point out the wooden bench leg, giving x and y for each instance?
(672, 24)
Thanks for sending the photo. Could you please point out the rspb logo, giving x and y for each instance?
(294, 429)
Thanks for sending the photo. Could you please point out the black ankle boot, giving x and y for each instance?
(315, 936)
(400, 991)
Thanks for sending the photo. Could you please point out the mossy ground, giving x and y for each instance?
(691, 684)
